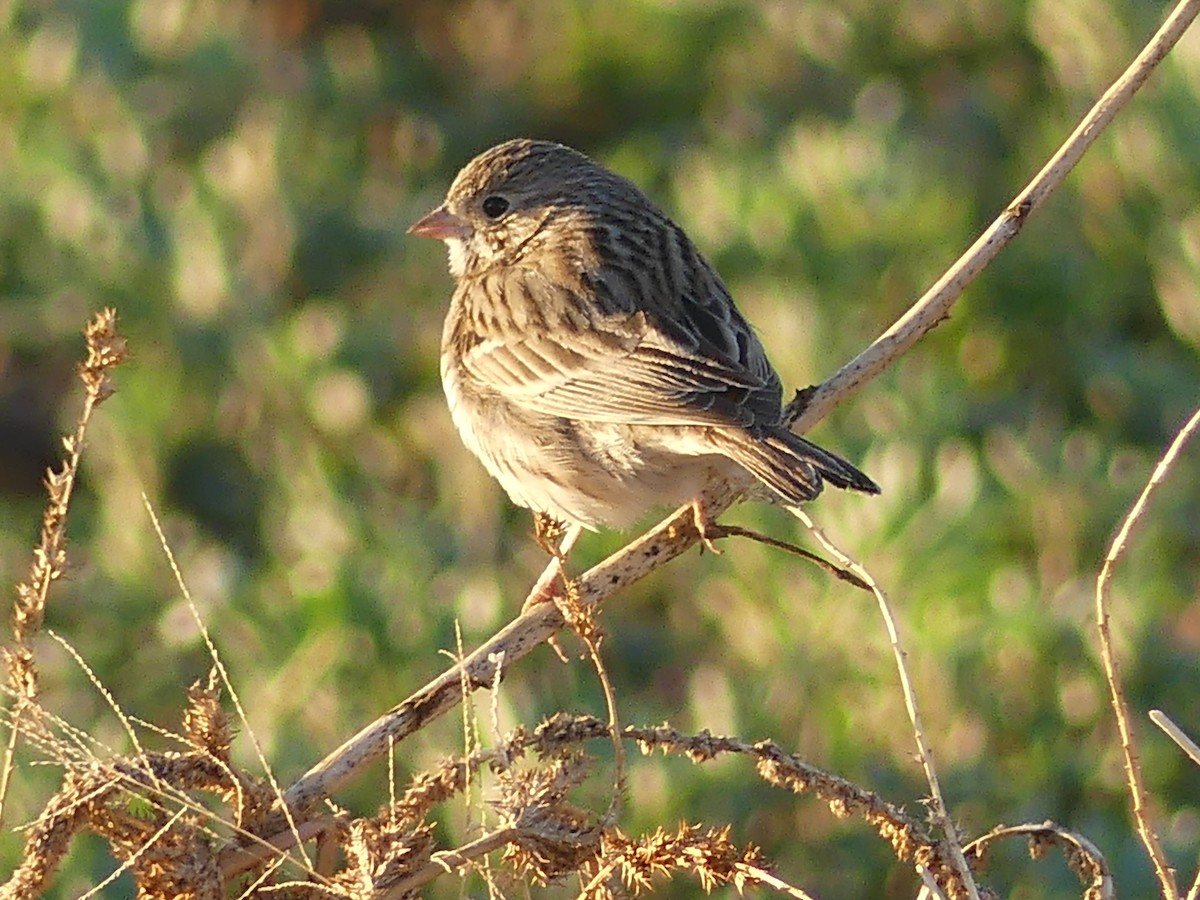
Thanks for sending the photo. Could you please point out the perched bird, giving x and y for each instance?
(592, 358)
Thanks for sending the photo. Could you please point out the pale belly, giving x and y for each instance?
(580, 472)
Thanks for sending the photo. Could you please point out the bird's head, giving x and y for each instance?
(502, 201)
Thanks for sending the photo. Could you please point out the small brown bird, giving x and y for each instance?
(592, 358)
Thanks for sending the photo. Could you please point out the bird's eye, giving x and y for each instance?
(494, 206)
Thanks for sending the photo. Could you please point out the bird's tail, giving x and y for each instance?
(790, 466)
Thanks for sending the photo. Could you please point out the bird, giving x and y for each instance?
(592, 358)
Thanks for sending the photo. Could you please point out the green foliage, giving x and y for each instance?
(236, 179)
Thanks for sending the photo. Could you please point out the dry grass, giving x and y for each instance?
(188, 822)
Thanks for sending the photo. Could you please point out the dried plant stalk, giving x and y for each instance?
(106, 350)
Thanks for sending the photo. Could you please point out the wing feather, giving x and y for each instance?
(586, 342)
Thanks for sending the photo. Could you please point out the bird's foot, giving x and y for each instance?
(548, 532)
(798, 404)
(706, 528)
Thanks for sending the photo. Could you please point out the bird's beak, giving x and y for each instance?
(441, 225)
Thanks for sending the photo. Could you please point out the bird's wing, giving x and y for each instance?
(606, 362)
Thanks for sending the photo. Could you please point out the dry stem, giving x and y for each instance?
(1084, 857)
(941, 812)
(677, 534)
(1177, 734)
(935, 305)
(1112, 668)
(671, 538)
(105, 351)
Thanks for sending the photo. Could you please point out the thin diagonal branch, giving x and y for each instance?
(676, 534)
(1112, 668)
(935, 305)
(940, 811)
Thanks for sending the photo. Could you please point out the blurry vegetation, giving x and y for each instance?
(236, 177)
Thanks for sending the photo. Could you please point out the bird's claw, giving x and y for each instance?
(548, 532)
(706, 528)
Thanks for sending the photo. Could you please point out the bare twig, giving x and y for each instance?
(934, 307)
(104, 692)
(941, 812)
(450, 860)
(762, 876)
(930, 889)
(1112, 669)
(592, 640)
(669, 539)
(219, 665)
(677, 534)
(1177, 734)
(1084, 857)
(715, 531)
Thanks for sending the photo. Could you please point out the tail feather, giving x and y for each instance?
(792, 467)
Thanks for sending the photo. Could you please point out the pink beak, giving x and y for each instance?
(441, 225)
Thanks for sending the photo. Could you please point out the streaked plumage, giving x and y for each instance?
(592, 358)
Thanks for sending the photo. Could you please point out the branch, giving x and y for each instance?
(677, 534)
(1084, 857)
(668, 540)
(1112, 669)
(935, 305)
(1177, 734)
(939, 810)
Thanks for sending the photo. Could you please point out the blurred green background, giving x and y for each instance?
(236, 178)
